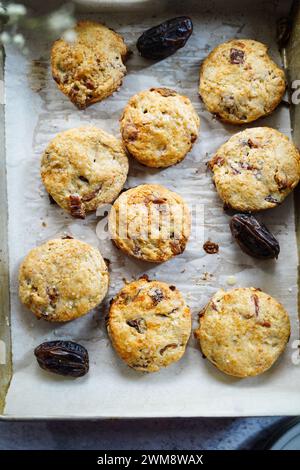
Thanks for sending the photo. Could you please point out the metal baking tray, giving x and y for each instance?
(176, 392)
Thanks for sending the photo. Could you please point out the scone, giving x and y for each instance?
(62, 280)
(243, 331)
(150, 223)
(159, 127)
(149, 324)
(255, 169)
(239, 82)
(91, 68)
(84, 168)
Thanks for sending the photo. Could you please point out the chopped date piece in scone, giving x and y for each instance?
(139, 324)
(149, 325)
(76, 206)
(243, 331)
(236, 56)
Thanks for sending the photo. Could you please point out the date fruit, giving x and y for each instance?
(63, 358)
(253, 237)
(163, 40)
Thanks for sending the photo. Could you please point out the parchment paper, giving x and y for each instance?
(35, 112)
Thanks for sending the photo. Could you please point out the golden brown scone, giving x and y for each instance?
(84, 168)
(239, 82)
(91, 68)
(62, 280)
(150, 223)
(243, 331)
(159, 127)
(149, 324)
(256, 169)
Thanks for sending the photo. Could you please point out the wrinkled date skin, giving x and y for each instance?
(253, 237)
(63, 358)
(166, 38)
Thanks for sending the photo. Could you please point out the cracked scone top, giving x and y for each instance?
(150, 222)
(91, 68)
(239, 82)
(62, 279)
(83, 168)
(159, 127)
(243, 331)
(149, 324)
(256, 169)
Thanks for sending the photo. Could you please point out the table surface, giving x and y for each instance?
(158, 434)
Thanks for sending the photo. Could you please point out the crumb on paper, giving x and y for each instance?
(210, 247)
(206, 276)
(190, 296)
(231, 280)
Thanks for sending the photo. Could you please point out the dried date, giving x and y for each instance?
(166, 38)
(63, 358)
(253, 237)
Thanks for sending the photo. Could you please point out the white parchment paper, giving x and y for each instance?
(35, 112)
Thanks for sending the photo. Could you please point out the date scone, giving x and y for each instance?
(239, 82)
(62, 280)
(150, 222)
(149, 324)
(243, 331)
(91, 68)
(255, 169)
(159, 127)
(84, 168)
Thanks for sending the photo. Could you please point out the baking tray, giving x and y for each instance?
(192, 387)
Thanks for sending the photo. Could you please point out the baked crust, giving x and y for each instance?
(91, 68)
(159, 127)
(150, 222)
(239, 82)
(149, 324)
(243, 331)
(86, 164)
(62, 280)
(256, 169)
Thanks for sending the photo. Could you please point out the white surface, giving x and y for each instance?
(36, 111)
